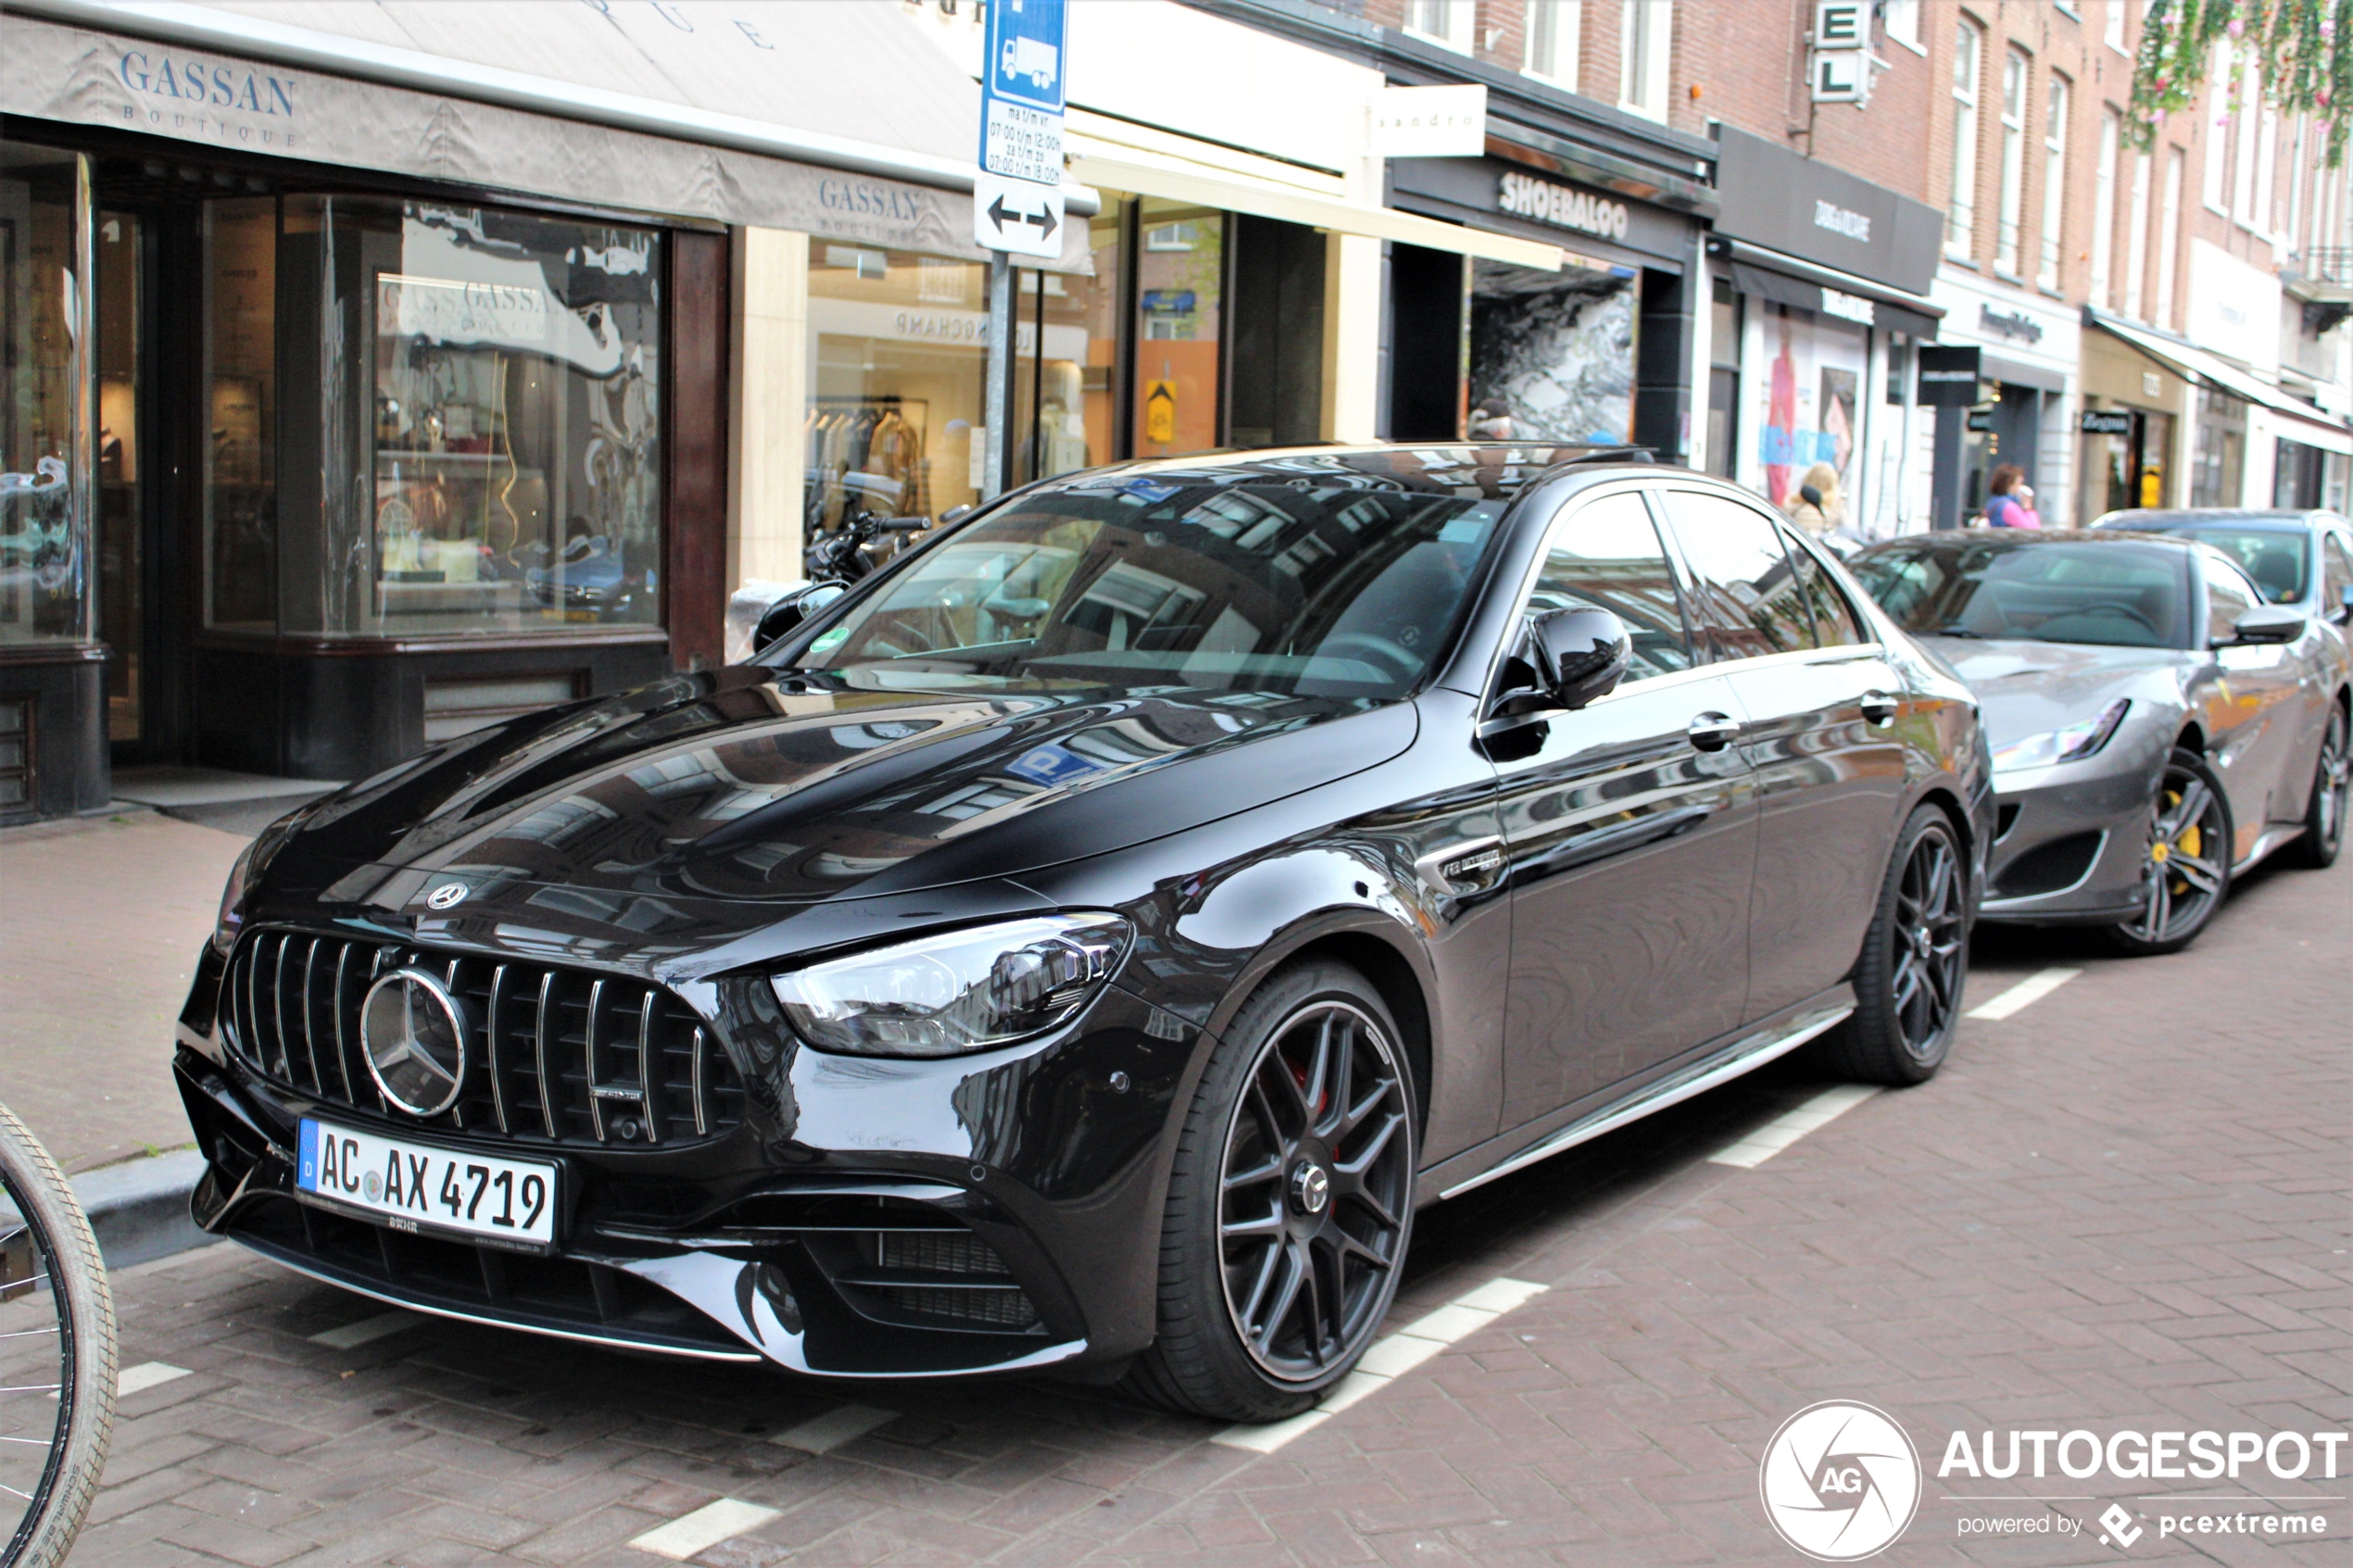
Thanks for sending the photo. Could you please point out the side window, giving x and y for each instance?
(1606, 555)
(2228, 597)
(2337, 573)
(1746, 596)
(1835, 623)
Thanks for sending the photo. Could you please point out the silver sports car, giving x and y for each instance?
(2157, 727)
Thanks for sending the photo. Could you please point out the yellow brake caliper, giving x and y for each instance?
(2161, 852)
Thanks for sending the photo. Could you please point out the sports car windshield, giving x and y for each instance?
(2276, 558)
(2117, 593)
(1345, 590)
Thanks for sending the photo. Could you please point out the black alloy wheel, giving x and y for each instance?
(1915, 961)
(1290, 1203)
(2331, 796)
(2186, 871)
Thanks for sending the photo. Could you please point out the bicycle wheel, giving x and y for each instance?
(56, 1356)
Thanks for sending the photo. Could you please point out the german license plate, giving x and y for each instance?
(417, 1186)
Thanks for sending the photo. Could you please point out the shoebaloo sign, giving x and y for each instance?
(1841, 1481)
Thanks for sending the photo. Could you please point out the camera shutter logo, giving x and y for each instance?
(1840, 1481)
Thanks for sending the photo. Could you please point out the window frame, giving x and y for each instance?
(1645, 40)
(2018, 69)
(1461, 24)
(1663, 514)
(2103, 277)
(1960, 202)
(2059, 102)
(1645, 495)
(1565, 27)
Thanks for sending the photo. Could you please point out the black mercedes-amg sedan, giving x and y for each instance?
(1086, 942)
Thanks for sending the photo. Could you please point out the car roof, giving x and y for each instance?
(2028, 538)
(1488, 469)
(2280, 519)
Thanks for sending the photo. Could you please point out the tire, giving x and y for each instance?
(1290, 1203)
(2183, 882)
(2331, 794)
(1914, 964)
(49, 1235)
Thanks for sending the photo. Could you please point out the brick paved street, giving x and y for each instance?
(2125, 1206)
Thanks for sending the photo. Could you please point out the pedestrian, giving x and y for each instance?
(1820, 507)
(1491, 420)
(2024, 515)
(2000, 503)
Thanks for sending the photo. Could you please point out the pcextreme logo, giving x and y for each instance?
(1840, 1481)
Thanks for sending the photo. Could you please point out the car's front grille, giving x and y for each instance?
(553, 1055)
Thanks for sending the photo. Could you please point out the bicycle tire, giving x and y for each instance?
(52, 1235)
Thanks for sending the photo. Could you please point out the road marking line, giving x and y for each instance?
(1390, 1357)
(704, 1528)
(145, 1375)
(1755, 1147)
(823, 1433)
(2024, 994)
(353, 1335)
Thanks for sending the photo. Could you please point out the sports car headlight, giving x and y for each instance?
(2070, 745)
(960, 991)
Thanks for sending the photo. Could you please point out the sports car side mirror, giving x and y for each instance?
(787, 614)
(2268, 623)
(1580, 654)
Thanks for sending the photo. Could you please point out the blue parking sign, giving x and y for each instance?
(1026, 53)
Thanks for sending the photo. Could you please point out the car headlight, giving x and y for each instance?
(960, 991)
(2070, 745)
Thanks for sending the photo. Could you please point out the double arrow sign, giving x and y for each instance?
(1014, 214)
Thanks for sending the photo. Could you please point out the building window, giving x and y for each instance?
(1552, 26)
(2113, 25)
(1441, 21)
(2104, 210)
(2054, 180)
(2266, 174)
(2245, 151)
(1902, 21)
(1646, 28)
(2136, 242)
(2167, 234)
(1961, 215)
(45, 378)
(2215, 179)
(2005, 241)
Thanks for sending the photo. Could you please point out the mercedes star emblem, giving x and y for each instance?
(414, 1035)
(448, 896)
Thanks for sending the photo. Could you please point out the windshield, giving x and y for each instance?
(2273, 557)
(1328, 589)
(2120, 594)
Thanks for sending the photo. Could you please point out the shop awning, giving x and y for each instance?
(2196, 365)
(1145, 174)
(734, 112)
(1787, 280)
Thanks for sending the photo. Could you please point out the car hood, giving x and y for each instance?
(2026, 688)
(747, 785)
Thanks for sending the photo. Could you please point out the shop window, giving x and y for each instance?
(241, 387)
(45, 457)
(2222, 449)
(120, 595)
(899, 351)
(1180, 316)
(1556, 350)
(1066, 354)
(1723, 381)
(1804, 403)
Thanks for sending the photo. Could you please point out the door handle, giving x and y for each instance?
(1712, 732)
(1878, 708)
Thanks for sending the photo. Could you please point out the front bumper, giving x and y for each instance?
(870, 1219)
(2071, 845)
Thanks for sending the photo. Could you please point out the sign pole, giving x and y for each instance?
(1000, 430)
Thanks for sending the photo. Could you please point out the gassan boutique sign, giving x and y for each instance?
(1563, 206)
(192, 94)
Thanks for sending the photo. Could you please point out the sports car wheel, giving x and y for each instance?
(2332, 786)
(1907, 983)
(2188, 866)
(1290, 1203)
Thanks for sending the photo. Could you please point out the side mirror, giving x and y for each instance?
(2268, 623)
(1580, 654)
(785, 614)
